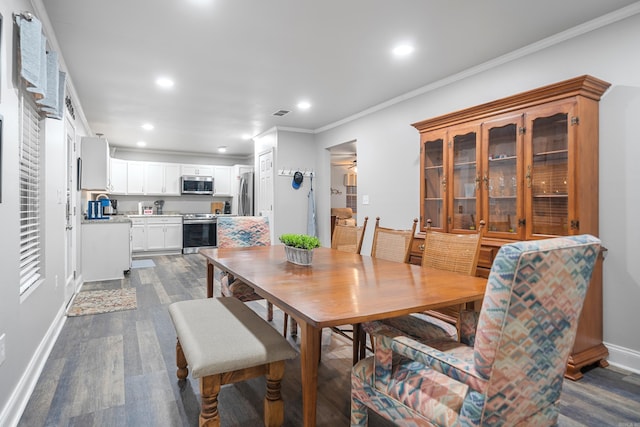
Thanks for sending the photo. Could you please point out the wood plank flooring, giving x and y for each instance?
(119, 369)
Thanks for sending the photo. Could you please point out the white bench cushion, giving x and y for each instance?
(220, 335)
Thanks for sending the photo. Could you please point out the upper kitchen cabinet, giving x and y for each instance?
(222, 180)
(197, 170)
(145, 178)
(135, 177)
(95, 164)
(118, 176)
(162, 179)
(526, 165)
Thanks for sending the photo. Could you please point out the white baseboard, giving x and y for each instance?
(624, 358)
(10, 415)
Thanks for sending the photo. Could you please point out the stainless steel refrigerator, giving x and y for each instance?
(245, 194)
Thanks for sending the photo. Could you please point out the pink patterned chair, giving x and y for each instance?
(509, 369)
(243, 231)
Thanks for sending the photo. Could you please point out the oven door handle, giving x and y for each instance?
(199, 221)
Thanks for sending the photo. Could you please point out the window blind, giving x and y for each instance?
(30, 230)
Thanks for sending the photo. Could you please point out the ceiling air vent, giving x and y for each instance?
(281, 113)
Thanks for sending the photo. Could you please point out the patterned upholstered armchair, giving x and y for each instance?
(242, 231)
(507, 371)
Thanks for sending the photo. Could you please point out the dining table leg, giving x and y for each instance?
(309, 356)
(209, 279)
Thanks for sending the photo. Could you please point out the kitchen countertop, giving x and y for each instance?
(153, 215)
(112, 219)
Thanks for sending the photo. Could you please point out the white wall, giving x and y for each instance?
(388, 154)
(30, 322)
(337, 183)
(295, 151)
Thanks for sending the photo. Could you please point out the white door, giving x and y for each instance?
(70, 214)
(265, 188)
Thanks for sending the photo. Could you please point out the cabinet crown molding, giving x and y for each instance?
(587, 86)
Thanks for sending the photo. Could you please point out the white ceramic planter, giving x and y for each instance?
(298, 256)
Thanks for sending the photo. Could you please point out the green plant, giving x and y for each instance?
(302, 241)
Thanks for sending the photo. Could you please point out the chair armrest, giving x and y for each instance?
(388, 342)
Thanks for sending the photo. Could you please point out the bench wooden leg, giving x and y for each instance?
(181, 362)
(273, 404)
(209, 390)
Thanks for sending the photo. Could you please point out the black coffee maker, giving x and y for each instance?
(227, 207)
(159, 206)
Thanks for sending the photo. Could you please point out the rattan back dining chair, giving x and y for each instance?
(348, 238)
(451, 252)
(392, 244)
(445, 251)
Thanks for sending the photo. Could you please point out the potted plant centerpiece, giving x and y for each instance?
(299, 247)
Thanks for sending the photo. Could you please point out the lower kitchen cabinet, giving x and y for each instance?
(156, 234)
(138, 234)
(106, 250)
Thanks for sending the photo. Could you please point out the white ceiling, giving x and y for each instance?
(236, 62)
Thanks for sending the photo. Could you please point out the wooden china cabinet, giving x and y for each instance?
(528, 166)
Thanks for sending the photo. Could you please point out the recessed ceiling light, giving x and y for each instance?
(246, 137)
(147, 126)
(304, 105)
(164, 82)
(222, 149)
(403, 50)
(141, 144)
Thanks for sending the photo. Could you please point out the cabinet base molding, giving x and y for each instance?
(596, 354)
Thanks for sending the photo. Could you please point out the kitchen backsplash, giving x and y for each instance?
(181, 204)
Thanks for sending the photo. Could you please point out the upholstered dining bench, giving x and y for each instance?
(224, 342)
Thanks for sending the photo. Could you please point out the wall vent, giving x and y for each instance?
(281, 113)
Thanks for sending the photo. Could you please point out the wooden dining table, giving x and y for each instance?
(338, 288)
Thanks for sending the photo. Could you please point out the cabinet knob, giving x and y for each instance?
(528, 176)
(421, 247)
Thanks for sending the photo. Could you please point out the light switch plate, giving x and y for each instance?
(365, 199)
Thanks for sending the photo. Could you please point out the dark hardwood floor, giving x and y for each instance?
(118, 369)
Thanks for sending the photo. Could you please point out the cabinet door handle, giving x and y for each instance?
(444, 183)
(486, 182)
(528, 176)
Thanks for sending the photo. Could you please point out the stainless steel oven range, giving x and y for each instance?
(198, 231)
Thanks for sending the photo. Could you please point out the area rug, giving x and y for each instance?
(142, 263)
(105, 301)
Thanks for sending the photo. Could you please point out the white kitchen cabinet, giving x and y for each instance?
(222, 180)
(106, 250)
(157, 233)
(155, 236)
(162, 179)
(172, 179)
(138, 234)
(135, 177)
(197, 170)
(95, 164)
(118, 176)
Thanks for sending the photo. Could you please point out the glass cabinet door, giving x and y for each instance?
(463, 184)
(432, 186)
(501, 180)
(547, 172)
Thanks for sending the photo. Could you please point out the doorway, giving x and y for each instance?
(344, 177)
(70, 214)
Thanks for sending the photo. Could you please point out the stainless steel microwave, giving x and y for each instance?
(197, 184)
